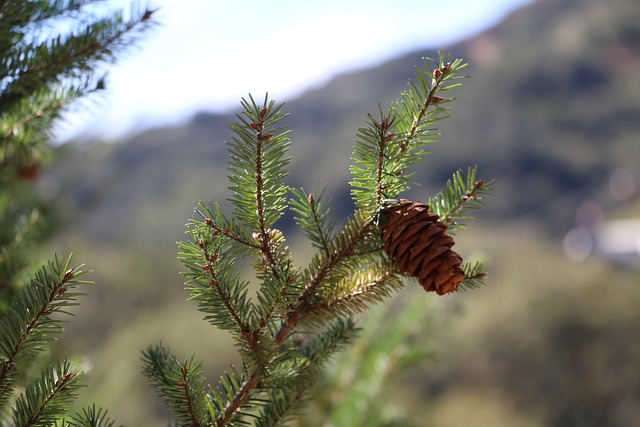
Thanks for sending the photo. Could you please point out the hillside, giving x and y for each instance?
(551, 109)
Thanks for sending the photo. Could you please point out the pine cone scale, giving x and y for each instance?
(425, 257)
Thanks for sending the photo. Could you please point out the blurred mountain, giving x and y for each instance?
(551, 110)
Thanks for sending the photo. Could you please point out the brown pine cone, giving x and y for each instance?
(416, 240)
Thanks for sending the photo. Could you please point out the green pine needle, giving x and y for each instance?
(89, 417)
(211, 276)
(181, 384)
(474, 276)
(392, 340)
(32, 320)
(296, 376)
(346, 251)
(463, 192)
(257, 166)
(47, 397)
(232, 384)
(388, 147)
(356, 292)
(313, 215)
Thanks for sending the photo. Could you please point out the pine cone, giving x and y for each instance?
(416, 240)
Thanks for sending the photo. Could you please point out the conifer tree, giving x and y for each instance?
(50, 53)
(300, 317)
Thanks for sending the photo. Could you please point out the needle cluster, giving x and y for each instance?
(299, 317)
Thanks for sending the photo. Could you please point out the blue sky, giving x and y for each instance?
(207, 54)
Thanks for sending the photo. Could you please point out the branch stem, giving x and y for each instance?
(302, 309)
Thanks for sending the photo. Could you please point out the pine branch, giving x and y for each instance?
(210, 256)
(413, 109)
(18, 225)
(330, 268)
(345, 244)
(279, 283)
(372, 175)
(42, 108)
(313, 216)
(90, 417)
(211, 280)
(24, 14)
(30, 68)
(71, 54)
(213, 217)
(25, 130)
(474, 276)
(351, 270)
(257, 166)
(237, 394)
(180, 384)
(461, 193)
(220, 293)
(31, 321)
(388, 147)
(371, 284)
(286, 399)
(46, 399)
(243, 393)
(392, 340)
(43, 67)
